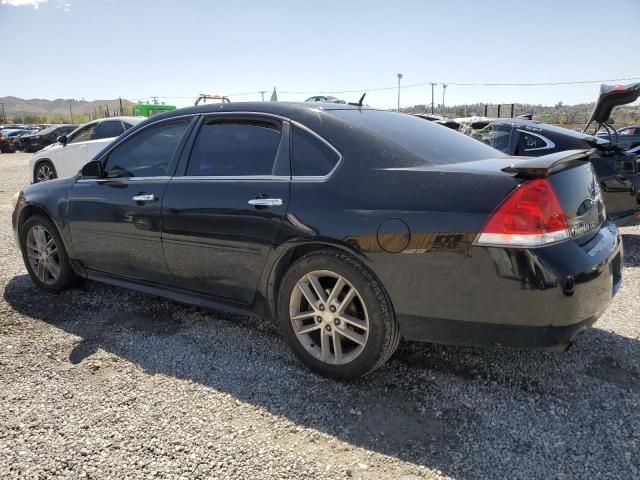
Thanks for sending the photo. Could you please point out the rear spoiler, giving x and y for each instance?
(544, 166)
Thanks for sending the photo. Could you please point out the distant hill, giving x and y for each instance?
(38, 110)
(559, 114)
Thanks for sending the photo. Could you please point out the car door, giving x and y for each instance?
(115, 220)
(70, 158)
(220, 218)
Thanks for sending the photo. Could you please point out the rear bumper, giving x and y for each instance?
(539, 298)
(450, 332)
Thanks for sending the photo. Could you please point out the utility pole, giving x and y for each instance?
(262, 92)
(70, 111)
(444, 89)
(4, 117)
(433, 84)
(399, 78)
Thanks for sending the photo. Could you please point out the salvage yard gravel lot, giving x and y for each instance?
(101, 382)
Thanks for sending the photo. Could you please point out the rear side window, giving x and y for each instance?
(311, 156)
(431, 144)
(234, 148)
(530, 141)
(147, 153)
(108, 129)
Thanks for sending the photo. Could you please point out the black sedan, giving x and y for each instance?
(618, 170)
(353, 227)
(37, 141)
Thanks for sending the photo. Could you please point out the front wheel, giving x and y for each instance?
(44, 255)
(44, 171)
(335, 316)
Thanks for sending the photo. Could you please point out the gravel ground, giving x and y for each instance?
(106, 383)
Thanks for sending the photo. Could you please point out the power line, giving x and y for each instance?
(412, 85)
(466, 84)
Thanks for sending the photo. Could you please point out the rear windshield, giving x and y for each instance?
(47, 130)
(435, 144)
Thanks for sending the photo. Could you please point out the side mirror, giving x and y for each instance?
(63, 140)
(93, 169)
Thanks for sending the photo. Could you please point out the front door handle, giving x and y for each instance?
(144, 197)
(266, 202)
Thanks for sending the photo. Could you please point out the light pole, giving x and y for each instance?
(399, 78)
(444, 89)
(433, 84)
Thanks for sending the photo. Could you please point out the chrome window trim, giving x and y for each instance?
(548, 143)
(294, 178)
(123, 179)
(266, 178)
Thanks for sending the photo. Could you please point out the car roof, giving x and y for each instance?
(275, 108)
(130, 119)
(125, 118)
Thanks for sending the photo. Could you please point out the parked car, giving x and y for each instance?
(33, 143)
(5, 145)
(25, 133)
(439, 119)
(12, 136)
(625, 138)
(618, 170)
(67, 156)
(324, 99)
(353, 227)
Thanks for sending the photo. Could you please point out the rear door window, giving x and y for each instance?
(108, 129)
(234, 148)
(312, 156)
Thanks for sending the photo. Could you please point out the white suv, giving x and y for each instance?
(70, 153)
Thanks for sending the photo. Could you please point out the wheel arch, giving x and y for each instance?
(40, 161)
(286, 255)
(32, 209)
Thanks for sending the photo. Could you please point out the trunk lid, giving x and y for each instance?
(571, 176)
(574, 183)
(610, 97)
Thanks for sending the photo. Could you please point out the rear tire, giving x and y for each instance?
(44, 255)
(44, 171)
(345, 331)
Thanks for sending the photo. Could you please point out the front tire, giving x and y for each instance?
(44, 171)
(335, 316)
(44, 255)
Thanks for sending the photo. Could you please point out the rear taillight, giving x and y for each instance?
(530, 216)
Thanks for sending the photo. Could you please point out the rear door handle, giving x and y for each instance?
(266, 202)
(144, 197)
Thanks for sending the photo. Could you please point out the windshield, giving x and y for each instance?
(433, 143)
